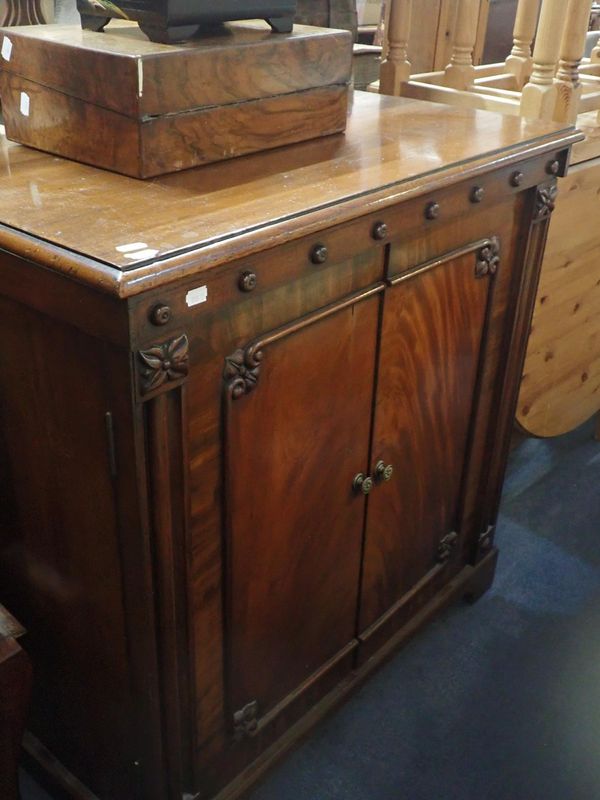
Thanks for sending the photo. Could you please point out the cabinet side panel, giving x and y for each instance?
(60, 565)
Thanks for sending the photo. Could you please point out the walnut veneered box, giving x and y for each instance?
(116, 100)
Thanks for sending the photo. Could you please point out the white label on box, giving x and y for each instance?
(196, 296)
(6, 48)
(24, 107)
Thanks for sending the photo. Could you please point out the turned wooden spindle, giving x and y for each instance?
(460, 72)
(538, 99)
(395, 69)
(571, 52)
(520, 61)
(33, 12)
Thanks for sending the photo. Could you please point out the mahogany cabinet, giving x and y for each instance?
(254, 423)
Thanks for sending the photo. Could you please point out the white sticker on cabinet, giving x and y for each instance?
(196, 296)
(131, 247)
(6, 48)
(149, 252)
(24, 106)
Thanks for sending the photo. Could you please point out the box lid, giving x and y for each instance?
(123, 71)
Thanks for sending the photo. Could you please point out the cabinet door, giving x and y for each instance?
(431, 347)
(294, 443)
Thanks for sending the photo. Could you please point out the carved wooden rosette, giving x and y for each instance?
(241, 371)
(446, 547)
(545, 200)
(488, 259)
(485, 542)
(163, 364)
(162, 370)
(245, 721)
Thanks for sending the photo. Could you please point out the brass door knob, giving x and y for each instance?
(383, 472)
(362, 483)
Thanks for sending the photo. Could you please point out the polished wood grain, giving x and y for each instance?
(182, 537)
(226, 96)
(433, 326)
(199, 218)
(285, 572)
(61, 556)
(328, 13)
(162, 144)
(157, 79)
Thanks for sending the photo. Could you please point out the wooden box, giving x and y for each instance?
(118, 101)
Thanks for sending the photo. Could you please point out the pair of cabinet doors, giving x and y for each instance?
(386, 378)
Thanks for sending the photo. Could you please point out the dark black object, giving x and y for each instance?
(176, 20)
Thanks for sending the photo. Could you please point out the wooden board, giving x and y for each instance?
(173, 107)
(561, 381)
(163, 144)
(389, 140)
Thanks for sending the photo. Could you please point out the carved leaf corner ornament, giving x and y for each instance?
(164, 363)
(446, 547)
(488, 259)
(241, 372)
(545, 201)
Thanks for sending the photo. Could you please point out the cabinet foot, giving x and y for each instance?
(482, 577)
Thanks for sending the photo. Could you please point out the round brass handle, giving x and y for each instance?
(432, 210)
(362, 483)
(319, 254)
(383, 472)
(380, 231)
(516, 179)
(247, 281)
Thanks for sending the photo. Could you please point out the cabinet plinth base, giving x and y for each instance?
(471, 583)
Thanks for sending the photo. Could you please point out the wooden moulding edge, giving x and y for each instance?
(124, 283)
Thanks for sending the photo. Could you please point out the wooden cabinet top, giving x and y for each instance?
(124, 235)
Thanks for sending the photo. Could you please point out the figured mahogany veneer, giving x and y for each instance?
(255, 420)
(232, 91)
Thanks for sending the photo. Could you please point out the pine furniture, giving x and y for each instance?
(551, 80)
(255, 418)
